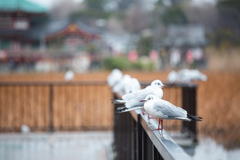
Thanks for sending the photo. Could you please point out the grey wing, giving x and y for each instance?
(132, 103)
(144, 93)
(169, 109)
(129, 96)
(139, 95)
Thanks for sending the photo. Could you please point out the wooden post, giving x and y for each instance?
(189, 104)
(51, 127)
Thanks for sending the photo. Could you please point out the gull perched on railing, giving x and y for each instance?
(131, 101)
(161, 109)
(132, 86)
(186, 75)
(114, 77)
(25, 129)
(173, 76)
(119, 87)
(69, 75)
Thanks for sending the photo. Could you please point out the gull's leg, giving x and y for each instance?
(161, 129)
(149, 117)
(143, 112)
(159, 122)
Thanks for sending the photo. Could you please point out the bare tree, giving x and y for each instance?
(136, 19)
(206, 15)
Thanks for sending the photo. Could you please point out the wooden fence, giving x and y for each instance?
(49, 106)
(46, 106)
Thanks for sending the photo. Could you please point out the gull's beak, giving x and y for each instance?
(164, 86)
(143, 100)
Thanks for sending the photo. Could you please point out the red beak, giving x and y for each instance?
(164, 86)
(143, 101)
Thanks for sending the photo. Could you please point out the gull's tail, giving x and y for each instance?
(118, 101)
(125, 109)
(194, 118)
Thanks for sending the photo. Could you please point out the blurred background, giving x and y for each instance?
(41, 40)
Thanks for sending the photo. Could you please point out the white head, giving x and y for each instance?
(126, 77)
(149, 97)
(158, 83)
(69, 75)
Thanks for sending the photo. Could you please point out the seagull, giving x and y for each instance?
(173, 76)
(114, 77)
(132, 86)
(119, 87)
(131, 101)
(161, 109)
(25, 129)
(188, 75)
(69, 75)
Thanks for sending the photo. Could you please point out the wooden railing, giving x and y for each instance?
(49, 106)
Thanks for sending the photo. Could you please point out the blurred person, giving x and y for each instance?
(175, 57)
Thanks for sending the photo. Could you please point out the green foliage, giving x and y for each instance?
(229, 3)
(122, 63)
(95, 4)
(91, 48)
(88, 14)
(150, 66)
(95, 9)
(174, 15)
(144, 45)
(138, 66)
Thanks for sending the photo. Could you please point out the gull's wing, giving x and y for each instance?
(169, 109)
(139, 94)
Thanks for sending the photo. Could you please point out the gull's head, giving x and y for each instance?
(158, 83)
(150, 97)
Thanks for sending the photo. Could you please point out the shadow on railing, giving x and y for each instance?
(133, 135)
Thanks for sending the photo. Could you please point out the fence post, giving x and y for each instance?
(51, 128)
(189, 104)
(139, 137)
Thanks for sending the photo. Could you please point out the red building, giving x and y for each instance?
(25, 31)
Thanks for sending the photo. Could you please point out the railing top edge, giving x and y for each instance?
(144, 84)
(168, 84)
(26, 83)
(166, 146)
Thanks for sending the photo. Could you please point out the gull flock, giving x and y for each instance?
(150, 99)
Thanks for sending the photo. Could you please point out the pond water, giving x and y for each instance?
(56, 146)
(208, 149)
(89, 146)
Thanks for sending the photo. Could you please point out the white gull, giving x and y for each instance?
(114, 77)
(131, 101)
(161, 109)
